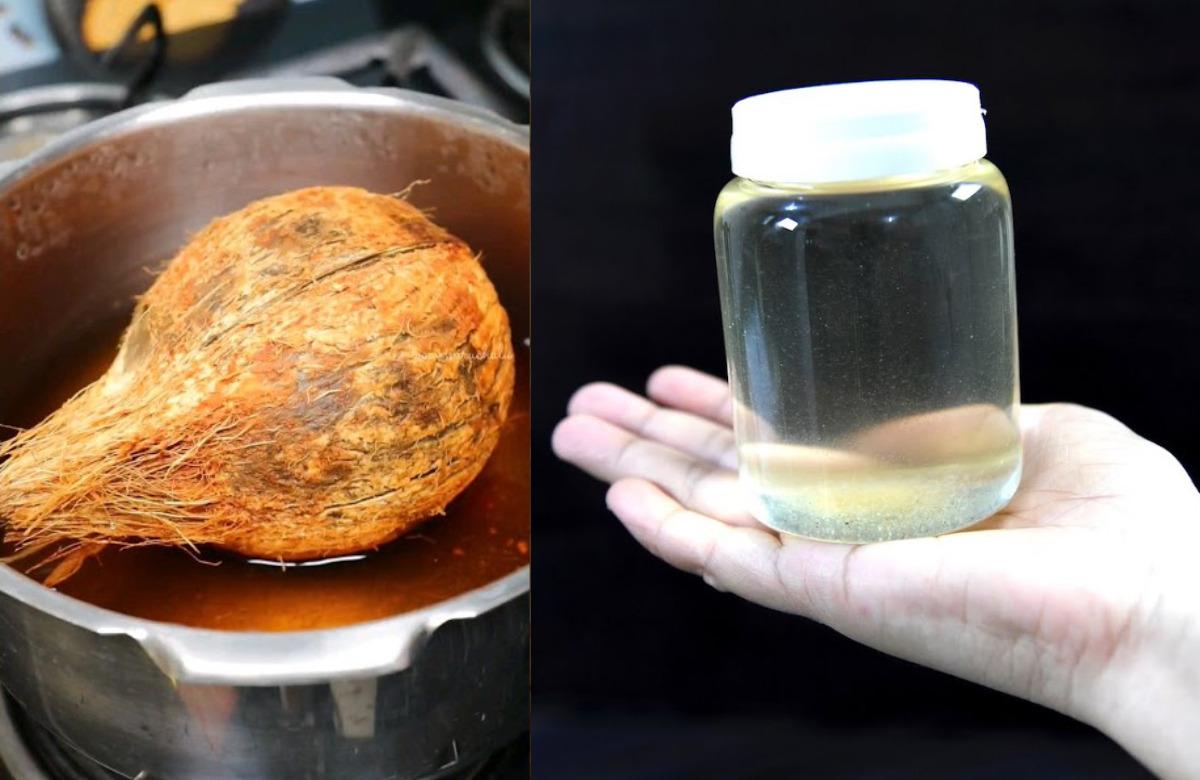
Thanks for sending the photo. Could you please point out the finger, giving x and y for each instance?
(905, 597)
(610, 453)
(954, 603)
(814, 579)
(685, 432)
(731, 558)
(692, 391)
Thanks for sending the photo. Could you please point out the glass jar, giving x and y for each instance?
(865, 259)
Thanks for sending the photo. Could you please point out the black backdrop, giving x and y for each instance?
(1094, 117)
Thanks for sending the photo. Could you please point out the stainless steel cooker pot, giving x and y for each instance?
(414, 696)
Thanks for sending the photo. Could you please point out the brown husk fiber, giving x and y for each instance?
(310, 376)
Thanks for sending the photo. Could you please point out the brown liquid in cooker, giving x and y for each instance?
(483, 535)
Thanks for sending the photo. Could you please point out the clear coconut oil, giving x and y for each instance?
(871, 339)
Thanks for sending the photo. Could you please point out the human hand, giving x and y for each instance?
(1080, 595)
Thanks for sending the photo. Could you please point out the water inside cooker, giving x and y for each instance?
(483, 536)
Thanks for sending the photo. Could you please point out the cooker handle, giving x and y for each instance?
(362, 651)
(285, 659)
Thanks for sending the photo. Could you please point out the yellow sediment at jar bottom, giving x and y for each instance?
(843, 496)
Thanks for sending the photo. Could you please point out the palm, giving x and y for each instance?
(1045, 599)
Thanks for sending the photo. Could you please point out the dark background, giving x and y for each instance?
(1093, 115)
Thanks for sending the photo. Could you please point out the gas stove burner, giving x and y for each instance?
(16, 761)
(30, 752)
(505, 43)
(54, 97)
(31, 117)
(413, 57)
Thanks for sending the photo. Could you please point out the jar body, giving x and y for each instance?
(870, 333)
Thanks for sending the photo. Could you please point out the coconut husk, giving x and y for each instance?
(311, 376)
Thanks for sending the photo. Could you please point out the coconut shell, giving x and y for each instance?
(310, 376)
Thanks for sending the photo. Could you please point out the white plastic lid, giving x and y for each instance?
(865, 130)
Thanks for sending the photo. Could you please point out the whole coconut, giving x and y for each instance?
(310, 376)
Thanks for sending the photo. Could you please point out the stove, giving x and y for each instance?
(476, 51)
(30, 752)
(50, 82)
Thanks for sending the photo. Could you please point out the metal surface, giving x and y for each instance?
(412, 696)
(402, 53)
(16, 760)
(31, 118)
(58, 97)
(493, 43)
(30, 752)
